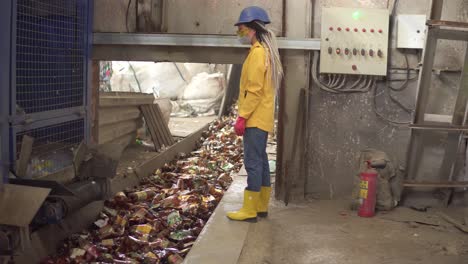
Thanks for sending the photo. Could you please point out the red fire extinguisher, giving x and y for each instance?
(368, 188)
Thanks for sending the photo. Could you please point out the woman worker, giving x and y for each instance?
(260, 79)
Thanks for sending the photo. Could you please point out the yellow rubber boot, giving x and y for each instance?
(248, 212)
(262, 207)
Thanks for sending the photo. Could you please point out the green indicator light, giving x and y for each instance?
(357, 15)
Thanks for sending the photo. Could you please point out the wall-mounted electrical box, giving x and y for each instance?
(411, 31)
(354, 41)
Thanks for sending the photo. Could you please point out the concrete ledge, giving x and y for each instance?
(222, 240)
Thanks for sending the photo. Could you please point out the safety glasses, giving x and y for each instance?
(242, 32)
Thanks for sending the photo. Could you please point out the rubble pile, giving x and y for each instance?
(158, 221)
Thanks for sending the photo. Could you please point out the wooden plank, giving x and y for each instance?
(24, 156)
(111, 115)
(162, 125)
(118, 99)
(458, 225)
(151, 128)
(125, 140)
(114, 131)
(113, 102)
(156, 126)
(447, 184)
(157, 129)
(184, 146)
(165, 128)
(155, 117)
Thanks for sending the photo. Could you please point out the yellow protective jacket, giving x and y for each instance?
(257, 95)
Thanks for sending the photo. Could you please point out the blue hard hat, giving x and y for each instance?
(253, 13)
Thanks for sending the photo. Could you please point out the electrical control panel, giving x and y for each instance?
(411, 31)
(354, 41)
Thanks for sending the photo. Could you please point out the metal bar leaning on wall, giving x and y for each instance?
(437, 29)
(455, 139)
(414, 149)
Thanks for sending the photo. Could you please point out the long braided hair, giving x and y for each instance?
(268, 39)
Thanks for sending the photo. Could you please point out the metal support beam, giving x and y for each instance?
(447, 23)
(440, 128)
(446, 184)
(87, 78)
(452, 34)
(212, 41)
(182, 48)
(459, 112)
(436, 9)
(172, 54)
(5, 78)
(425, 75)
(27, 119)
(46, 122)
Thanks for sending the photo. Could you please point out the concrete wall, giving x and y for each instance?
(111, 16)
(180, 16)
(214, 16)
(342, 125)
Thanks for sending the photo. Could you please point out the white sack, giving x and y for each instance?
(204, 86)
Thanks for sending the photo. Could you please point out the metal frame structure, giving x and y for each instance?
(5, 46)
(88, 72)
(207, 41)
(219, 49)
(13, 123)
(457, 128)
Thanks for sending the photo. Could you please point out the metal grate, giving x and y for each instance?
(50, 54)
(53, 147)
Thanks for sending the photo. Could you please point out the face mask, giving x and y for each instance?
(244, 40)
(243, 36)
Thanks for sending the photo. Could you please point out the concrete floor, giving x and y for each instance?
(184, 126)
(327, 232)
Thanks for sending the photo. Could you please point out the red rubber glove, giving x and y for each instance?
(239, 127)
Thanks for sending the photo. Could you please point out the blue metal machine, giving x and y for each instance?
(44, 62)
(44, 81)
